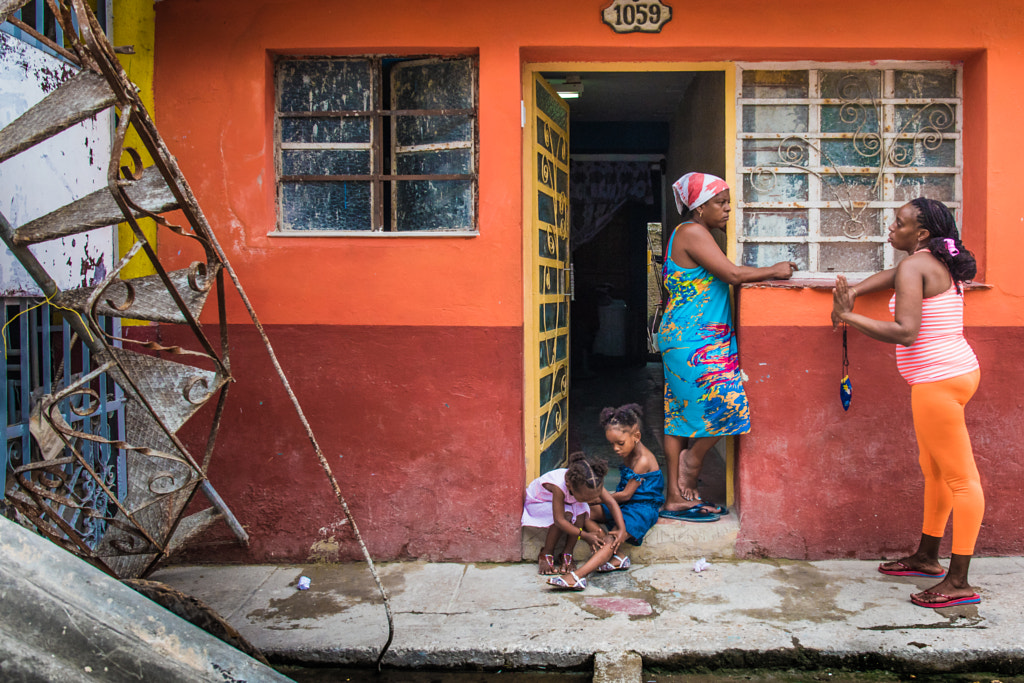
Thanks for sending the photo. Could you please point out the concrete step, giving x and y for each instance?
(669, 540)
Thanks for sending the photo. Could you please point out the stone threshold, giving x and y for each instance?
(668, 541)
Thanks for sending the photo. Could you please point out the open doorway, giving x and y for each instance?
(632, 135)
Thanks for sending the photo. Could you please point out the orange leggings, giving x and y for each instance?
(951, 480)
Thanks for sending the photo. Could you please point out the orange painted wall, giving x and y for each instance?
(213, 92)
(212, 84)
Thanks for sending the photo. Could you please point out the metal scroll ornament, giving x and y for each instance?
(632, 16)
(860, 109)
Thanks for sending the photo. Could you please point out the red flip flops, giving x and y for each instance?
(946, 601)
(906, 570)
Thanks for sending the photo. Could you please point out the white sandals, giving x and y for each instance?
(624, 564)
(561, 584)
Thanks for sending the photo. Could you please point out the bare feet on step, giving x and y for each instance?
(689, 470)
(676, 504)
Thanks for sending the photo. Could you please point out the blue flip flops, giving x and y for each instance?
(695, 514)
(713, 508)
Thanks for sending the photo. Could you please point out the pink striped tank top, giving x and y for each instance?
(940, 350)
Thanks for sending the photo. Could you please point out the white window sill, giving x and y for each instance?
(824, 283)
(373, 233)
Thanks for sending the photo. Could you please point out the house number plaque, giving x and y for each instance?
(630, 16)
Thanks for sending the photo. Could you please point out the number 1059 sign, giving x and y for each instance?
(629, 16)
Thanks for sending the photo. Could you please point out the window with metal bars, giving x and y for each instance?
(827, 153)
(376, 145)
(35, 24)
(43, 356)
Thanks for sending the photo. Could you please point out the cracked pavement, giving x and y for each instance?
(736, 613)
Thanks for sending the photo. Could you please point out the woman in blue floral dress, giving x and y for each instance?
(704, 399)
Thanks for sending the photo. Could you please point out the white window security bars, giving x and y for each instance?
(828, 152)
(376, 145)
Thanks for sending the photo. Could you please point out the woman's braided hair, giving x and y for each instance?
(628, 416)
(582, 474)
(936, 218)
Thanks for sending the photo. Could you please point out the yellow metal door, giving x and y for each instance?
(547, 276)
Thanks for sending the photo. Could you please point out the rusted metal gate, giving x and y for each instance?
(55, 488)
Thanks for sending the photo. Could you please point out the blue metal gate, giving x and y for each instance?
(42, 356)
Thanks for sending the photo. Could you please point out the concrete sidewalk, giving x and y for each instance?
(734, 614)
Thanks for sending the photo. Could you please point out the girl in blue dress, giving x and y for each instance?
(639, 493)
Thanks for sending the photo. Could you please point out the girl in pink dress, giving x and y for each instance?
(560, 501)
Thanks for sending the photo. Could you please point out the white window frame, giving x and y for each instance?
(817, 198)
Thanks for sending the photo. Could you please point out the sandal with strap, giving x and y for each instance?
(568, 563)
(713, 508)
(546, 565)
(898, 568)
(623, 564)
(697, 513)
(561, 584)
(946, 600)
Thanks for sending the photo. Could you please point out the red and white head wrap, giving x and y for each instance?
(693, 189)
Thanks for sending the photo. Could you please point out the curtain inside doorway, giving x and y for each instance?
(600, 188)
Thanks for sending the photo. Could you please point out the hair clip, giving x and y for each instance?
(951, 246)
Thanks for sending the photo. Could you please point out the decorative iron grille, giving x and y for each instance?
(42, 357)
(827, 154)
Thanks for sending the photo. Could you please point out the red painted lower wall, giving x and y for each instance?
(423, 430)
(422, 426)
(815, 482)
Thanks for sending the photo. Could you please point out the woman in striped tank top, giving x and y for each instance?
(942, 370)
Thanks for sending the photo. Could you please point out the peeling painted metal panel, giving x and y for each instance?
(55, 172)
(50, 485)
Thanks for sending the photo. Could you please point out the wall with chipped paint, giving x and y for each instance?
(816, 481)
(213, 90)
(51, 174)
(419, 425)
(134, 26)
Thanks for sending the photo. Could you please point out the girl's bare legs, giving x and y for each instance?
(600, 556)
(545, 560)
(566, 563)
(603, 554)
